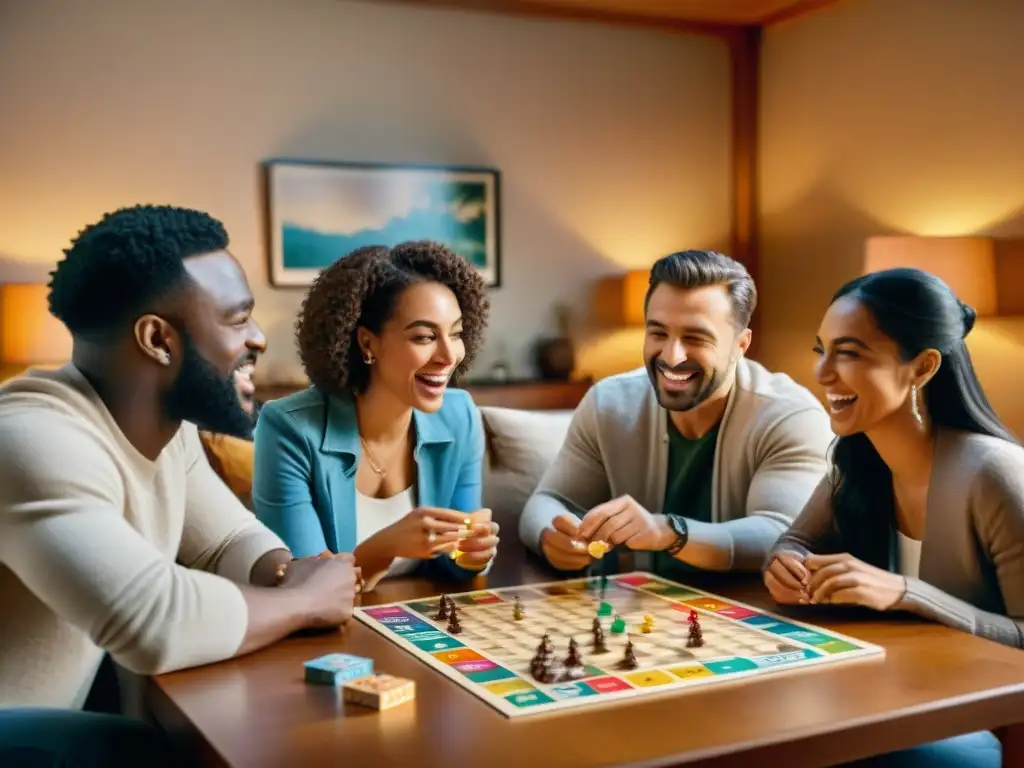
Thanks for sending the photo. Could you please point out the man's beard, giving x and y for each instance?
(204, 397)
(704, 387)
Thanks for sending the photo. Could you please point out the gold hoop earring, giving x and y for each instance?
(913, 404)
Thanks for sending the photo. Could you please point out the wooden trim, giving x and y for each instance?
(575, 13)
(794, 11)
(744, 58)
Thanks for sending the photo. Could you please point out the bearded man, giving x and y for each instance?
(116, 536)
(699, 459)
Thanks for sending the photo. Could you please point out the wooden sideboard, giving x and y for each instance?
(524, 394)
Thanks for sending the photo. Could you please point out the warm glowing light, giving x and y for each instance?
(29, 334)
(966, 264)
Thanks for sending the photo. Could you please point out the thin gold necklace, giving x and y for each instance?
(369, 457)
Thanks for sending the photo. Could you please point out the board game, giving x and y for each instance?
(647, 643)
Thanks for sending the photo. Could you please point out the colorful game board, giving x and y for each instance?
(491, 655)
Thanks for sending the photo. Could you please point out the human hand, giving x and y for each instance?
(844, 580)
(787, 578)
(556, 544)
(624, 521)
(480, 543)
(425, 532)
(329, 583)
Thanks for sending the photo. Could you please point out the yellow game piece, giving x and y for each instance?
(597, 549)
(379, 691)
(648, 626)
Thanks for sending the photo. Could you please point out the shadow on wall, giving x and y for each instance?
(809, 250)
(18, 271)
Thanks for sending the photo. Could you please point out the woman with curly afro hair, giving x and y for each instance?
(378, 456)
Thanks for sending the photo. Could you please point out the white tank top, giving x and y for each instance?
(374, 514)
(910, 555)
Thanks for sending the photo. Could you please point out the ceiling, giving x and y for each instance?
(667, 13)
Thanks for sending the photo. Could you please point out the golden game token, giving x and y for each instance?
(597, 549)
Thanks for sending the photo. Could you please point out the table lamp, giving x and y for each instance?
(966, 264)
(619, 299)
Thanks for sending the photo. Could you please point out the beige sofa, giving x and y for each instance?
(521, 445)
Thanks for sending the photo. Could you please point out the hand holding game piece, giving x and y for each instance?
(556, 544)
(787, 578)
(624, 521)
(421, 534)
(844, 580)
(481, 545)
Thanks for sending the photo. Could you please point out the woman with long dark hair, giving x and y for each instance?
(923, 510)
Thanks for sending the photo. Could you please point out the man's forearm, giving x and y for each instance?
(539, 513)
(736, 545)
(274, 613)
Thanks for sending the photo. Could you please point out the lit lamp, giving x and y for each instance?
(966, 264)
(619, 300)
(29, 334)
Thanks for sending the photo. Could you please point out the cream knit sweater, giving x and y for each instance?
(103, 549)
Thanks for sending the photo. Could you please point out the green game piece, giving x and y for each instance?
(619, 625)
(605, 609)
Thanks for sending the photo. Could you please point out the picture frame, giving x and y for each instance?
(320, 211)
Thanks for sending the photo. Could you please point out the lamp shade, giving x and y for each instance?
(966, 264)
(619, 300)
(29, 334)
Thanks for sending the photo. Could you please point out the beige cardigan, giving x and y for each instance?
(770, 455)
(971, 574)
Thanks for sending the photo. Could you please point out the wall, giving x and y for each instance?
(888, 117)
(613, 143)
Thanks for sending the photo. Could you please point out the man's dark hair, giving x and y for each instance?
(115, 269)
(699, 269)
(362, 289)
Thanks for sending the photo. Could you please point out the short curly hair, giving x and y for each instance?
(361, 289)
(115, 269)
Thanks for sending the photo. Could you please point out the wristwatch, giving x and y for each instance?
(682, 531)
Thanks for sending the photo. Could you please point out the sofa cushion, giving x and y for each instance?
(521, 445)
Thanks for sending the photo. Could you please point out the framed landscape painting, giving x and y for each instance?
(318, 212)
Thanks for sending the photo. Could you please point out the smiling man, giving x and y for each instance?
(116, 536)
(702, 457)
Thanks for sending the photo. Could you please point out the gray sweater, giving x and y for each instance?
(971, 574)
(769, 457)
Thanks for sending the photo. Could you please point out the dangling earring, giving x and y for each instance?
(368, 358)
(913, 404)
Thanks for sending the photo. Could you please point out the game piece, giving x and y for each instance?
(547, 674)
(597, 549)
(692, 617)
(517, 611)
(521, 669)
(442, 609)
(629, 657)
(619, 625)
(379, 691)
(336, 668)
(454, 625)
(605, 609)
(573, 663)
(696, 637)
(648, 626)
(573, 659)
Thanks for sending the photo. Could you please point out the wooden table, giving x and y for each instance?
(934, 683)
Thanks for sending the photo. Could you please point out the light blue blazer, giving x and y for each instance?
(307, 453)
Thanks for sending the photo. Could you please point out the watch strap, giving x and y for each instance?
(682, 531)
